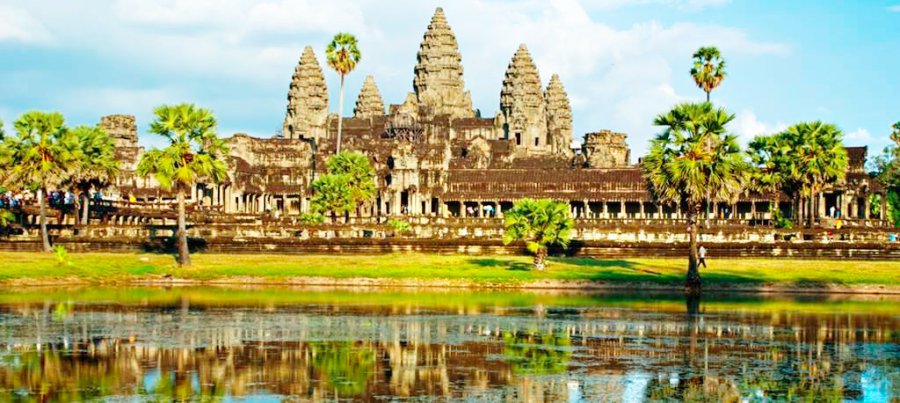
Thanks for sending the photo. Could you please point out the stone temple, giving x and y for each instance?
(437, 157)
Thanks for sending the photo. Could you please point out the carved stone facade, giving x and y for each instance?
(123, 130)
(606, 149)
(369, 104)
(307, 109)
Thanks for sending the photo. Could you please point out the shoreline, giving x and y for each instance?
(455, 284)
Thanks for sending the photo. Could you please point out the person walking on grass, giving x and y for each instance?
(701, 253)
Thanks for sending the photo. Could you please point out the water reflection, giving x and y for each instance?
(196, 344)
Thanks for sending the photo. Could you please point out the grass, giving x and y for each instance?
(505, 270)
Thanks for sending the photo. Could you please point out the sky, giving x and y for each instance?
(622, 61)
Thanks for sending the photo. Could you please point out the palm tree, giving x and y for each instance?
(773, 170)
(359, 172)
(2, 134)
(820, 157)
(332, 193)
(96, 165)
(541, 224)
(709, 69)
(194, 153)
(37, 158)
(342, 55)
(691, 160)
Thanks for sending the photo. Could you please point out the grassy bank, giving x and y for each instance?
(459, 270)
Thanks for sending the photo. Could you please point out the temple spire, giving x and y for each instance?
(559, 116)
(307, 109)
(369, 104)
(438, 83)
(522, 103)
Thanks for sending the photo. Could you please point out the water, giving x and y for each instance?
(273, 344)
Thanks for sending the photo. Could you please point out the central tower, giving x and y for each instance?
(438, 84)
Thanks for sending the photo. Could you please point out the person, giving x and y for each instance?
(702, 254)
(831, 212)
(132, 199)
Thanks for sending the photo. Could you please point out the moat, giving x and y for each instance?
(272, 344)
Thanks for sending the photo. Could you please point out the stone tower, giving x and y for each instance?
(307, 109)
(122, 129)
(439, 85)
(522, 104)
(559, 116)
(369, 104)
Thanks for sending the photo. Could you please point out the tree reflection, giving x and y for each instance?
(537, 354)
(344, 366)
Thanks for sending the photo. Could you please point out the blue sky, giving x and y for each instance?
(622, 61)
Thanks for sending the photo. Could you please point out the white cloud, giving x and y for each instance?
(747, 126)
(858, 136)
(895, 9)
(19, 25)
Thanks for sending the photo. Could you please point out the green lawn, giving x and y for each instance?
(24, 267)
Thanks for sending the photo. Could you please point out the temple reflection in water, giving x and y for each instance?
(65, 350)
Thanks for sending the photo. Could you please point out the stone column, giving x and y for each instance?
(480, 212)
(822, 204)
(867, 206)
(883, 213)
(605, 209)
(587, 209)
(854, 207)
(643, 215)
(499, 209)
(622, 213)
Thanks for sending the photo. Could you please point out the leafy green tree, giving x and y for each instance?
(195, 153)
(37, 158)
(332, 193)
(6, 218)
(820, 158)
(2, 133)
(359, 172)
(541, 223)
(887, 170)
(709, 69)
(774, 170)
(350, 183)
(692, 159)
(342, 55)
(95, 166)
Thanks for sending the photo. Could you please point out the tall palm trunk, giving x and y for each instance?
(184, 254)
(693, 284)
(812, 208)
(340, 116)
(707, 95)
(45, 237)
(540, 258)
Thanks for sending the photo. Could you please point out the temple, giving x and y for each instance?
(438, 157)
